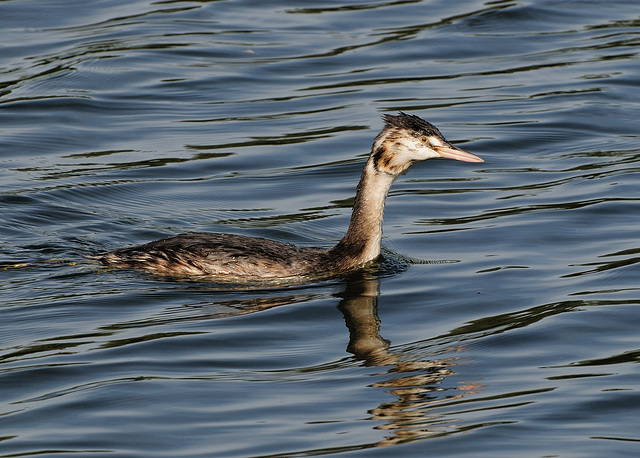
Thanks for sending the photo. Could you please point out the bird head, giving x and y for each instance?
(406, 139)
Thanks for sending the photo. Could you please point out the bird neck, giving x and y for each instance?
(362, 241)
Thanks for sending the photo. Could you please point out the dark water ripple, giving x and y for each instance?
(503, 319)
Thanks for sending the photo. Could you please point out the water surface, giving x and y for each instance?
(503, 319)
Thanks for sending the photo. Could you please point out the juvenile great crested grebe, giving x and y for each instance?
(405, 139)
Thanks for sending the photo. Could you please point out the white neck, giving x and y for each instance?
(362, 241)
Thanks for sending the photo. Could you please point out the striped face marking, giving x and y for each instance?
(396, 149)
(387, 162)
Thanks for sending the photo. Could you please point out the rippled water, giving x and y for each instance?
(503, 320)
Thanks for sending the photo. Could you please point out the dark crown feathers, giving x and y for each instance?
(411, 122)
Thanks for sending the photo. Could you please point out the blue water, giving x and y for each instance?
(503, 320)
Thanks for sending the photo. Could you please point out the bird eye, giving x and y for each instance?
(424, 139)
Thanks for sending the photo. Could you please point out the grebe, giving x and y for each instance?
(405, 139)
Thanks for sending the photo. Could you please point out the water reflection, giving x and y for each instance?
(418, 385)
(628, 258)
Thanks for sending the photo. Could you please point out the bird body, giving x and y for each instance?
(216, 254)
(405, 139)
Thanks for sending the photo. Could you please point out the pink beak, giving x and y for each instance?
(451, 152)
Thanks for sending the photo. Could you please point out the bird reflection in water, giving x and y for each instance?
(418, 385)
(419, 388)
